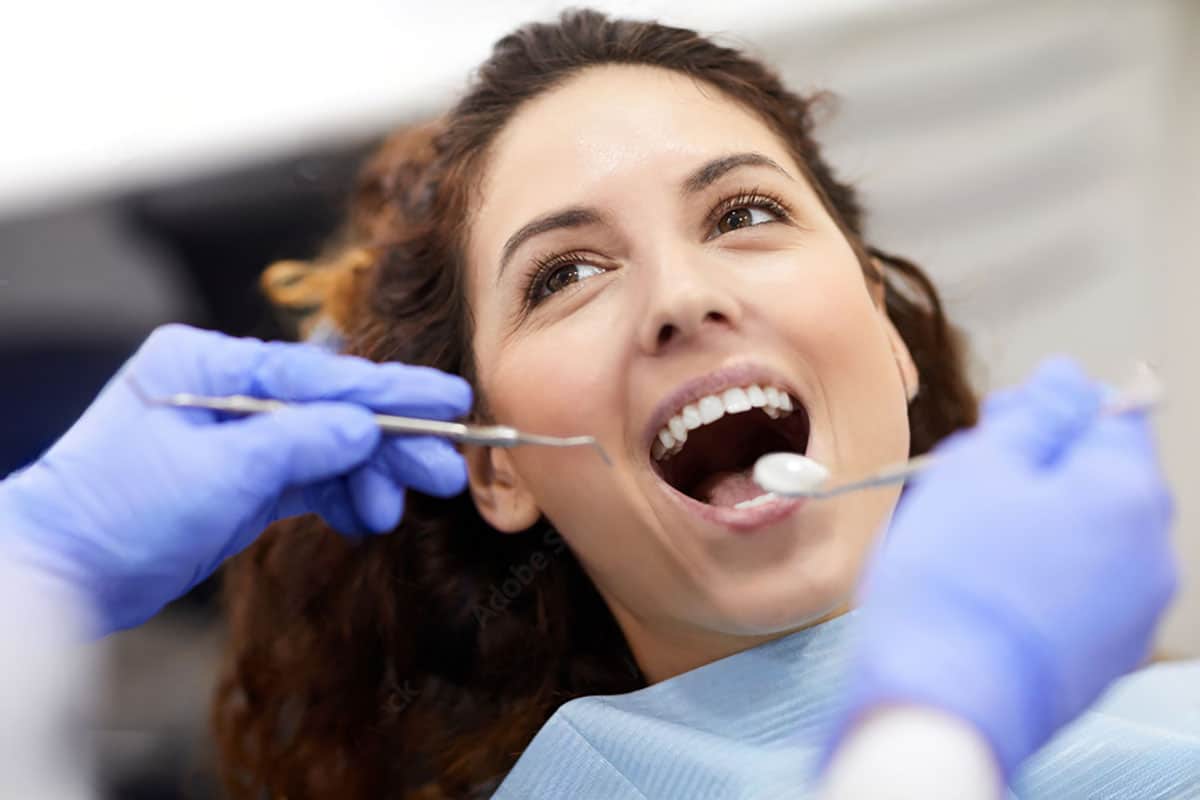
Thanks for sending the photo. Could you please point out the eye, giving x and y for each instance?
(743, 217)
(561, 276)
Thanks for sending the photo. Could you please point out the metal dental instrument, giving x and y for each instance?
(391, 424)
(795, 475)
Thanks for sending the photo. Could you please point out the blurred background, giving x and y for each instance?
(1040, 158)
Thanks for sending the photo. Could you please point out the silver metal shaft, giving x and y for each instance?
(1143, 392)
(896, 473)
(391, 424)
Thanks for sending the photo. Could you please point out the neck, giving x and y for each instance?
(665, 650)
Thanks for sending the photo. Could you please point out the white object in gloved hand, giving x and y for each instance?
(137, 504)
(1023, 573)
(902, 752)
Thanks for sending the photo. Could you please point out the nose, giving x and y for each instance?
(684, 305)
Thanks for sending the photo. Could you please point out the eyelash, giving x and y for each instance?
(544, 265)
(754, 197)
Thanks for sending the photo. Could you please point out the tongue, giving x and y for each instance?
(728, 488)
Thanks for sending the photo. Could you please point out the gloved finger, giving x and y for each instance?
(179, 358)
(377, 498)
(302, 372)
(1000, 402)
(1129, 429)
(1038, 420)
(176, 358)
(1116, 464)
(334, 501)
(1117, 457)
(297, 445)
(425, 463)
(330, 499)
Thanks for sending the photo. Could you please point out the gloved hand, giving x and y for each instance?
(136, 504)
(1023, 573)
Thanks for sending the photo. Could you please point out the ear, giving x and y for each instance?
(498, 491)
(909, 376)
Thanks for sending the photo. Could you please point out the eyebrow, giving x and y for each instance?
(575, 217)
(709, 173)
(582, 216)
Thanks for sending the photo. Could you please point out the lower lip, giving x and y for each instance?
(739, 520)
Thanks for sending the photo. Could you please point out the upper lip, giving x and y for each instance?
(742, 374)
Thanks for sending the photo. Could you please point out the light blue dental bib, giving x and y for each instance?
(751, 726)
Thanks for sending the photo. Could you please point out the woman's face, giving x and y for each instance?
(646, 256)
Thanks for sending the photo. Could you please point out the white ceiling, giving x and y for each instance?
(101, 95)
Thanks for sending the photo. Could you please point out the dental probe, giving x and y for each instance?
(796, 475)
(391, 424)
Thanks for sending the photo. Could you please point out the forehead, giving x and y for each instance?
(605, 132)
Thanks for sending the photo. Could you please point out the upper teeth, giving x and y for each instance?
(710, 408)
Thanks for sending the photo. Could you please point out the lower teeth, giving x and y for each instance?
(756, 501)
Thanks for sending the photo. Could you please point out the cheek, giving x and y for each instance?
(830, 318)
(551, 382)
(560, 383)
(823, 307)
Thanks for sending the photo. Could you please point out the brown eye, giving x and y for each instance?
(743, 217)
(565, 275)
(737, 218)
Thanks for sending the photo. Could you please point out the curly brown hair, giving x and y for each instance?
(365, 669)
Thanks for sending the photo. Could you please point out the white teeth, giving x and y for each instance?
(756, 501)
(735, 401)
(774, 402)
(711, 409)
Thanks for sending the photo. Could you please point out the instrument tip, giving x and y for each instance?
(603, 455)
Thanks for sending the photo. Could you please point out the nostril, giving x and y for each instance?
(669, 330)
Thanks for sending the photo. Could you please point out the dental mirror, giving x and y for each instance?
(789, 474)
(795, 475)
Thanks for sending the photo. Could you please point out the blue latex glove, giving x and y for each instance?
(135, 505)
(1023, 573)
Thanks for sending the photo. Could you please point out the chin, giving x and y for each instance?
(782, 600)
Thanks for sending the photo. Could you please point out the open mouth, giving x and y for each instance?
(708, 448)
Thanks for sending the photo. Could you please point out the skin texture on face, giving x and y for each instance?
(661, 295)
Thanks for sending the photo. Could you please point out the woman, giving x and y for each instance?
(624, 230)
